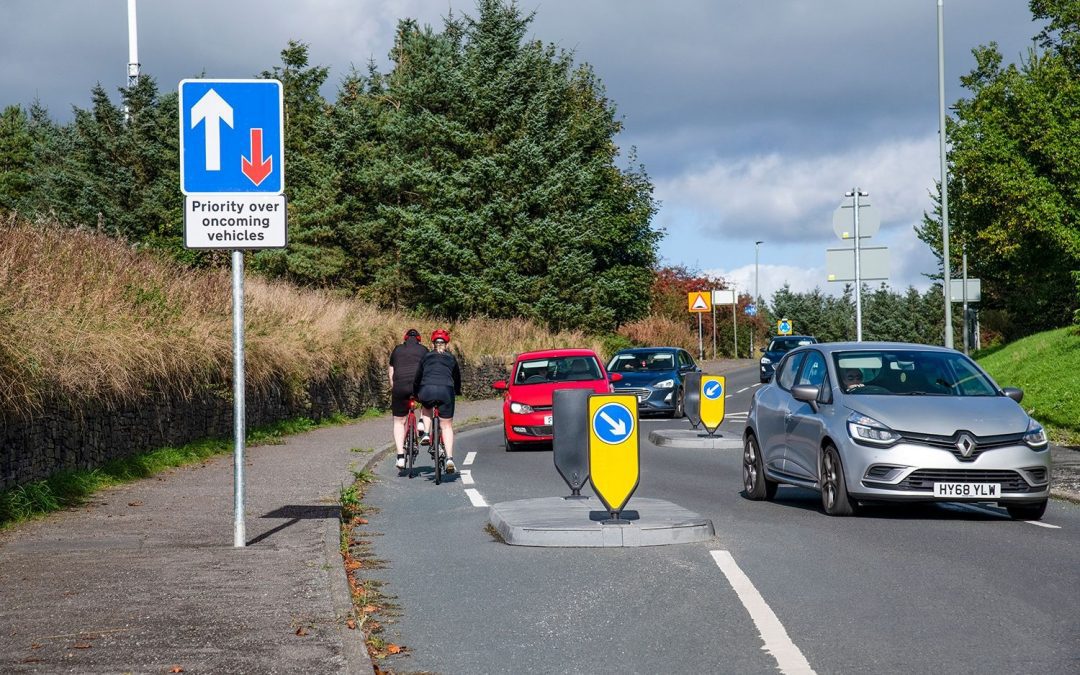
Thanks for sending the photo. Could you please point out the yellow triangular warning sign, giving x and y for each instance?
(699, 302)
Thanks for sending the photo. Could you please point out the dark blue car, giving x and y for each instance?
(780, 345)
(655, 375)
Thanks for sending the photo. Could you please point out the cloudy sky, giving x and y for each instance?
(752, 117)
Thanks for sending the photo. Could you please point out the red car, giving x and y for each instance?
(528, 394)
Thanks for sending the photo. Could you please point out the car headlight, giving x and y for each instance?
(516, 407)
(868, 431)
(1035, 437)
(765, 360)
(665, 384)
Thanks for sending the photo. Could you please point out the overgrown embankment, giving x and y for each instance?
(1047, 367)
(106, 350)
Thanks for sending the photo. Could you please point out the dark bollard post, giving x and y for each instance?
(692, 398)
(570, 445)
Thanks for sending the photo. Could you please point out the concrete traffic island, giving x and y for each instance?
(694, 438)
(580, 522)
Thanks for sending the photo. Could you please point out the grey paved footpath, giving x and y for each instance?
(145, 577)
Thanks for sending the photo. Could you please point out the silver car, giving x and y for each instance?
(879, 421)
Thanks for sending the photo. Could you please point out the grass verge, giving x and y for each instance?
(72, 488)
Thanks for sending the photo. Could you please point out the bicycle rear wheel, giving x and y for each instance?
(411, 443)
(436, 443)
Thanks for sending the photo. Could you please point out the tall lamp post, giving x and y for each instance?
(947, 287)
(757, 303)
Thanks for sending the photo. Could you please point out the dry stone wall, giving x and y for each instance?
(64, 437)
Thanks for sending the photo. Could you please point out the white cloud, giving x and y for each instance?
(777, 196)
(771, 278)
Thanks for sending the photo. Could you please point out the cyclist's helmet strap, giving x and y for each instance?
(440, 335)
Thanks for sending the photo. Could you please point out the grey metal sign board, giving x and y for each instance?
(873, 263)
(570, 430)
(974, 290)
(843, 222)
(724, 297)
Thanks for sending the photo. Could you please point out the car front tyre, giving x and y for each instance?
(755, 485)
(509, 444)
(678, 412)
(1026, 511)
(834, 494)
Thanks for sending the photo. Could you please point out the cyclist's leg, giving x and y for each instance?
(446, 426)
(425, 421)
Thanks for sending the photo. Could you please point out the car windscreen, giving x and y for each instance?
(557, 369)
(784, 345)
(630, 362)
(910, 373)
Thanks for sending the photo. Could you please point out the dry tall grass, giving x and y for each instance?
(86, 317)
(657, 329)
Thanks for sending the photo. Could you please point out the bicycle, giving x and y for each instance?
(437, 442)
(412, 437)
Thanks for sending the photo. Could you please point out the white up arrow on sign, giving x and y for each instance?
(212, 109)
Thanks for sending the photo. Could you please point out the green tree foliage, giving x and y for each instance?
(16, 156)
(1014, 171)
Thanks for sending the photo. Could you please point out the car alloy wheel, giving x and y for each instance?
(678, 412)
(834, 494)
(755, 485)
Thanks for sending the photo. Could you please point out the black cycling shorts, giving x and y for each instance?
(445, 395)
(399, 402)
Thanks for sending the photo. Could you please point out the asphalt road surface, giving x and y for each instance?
(782, 587)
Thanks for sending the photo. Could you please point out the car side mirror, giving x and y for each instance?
(806, 393)
(614, 377)
(764, 349)
(500, 385)
(1014, 393)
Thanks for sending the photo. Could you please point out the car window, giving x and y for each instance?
(685, 359)
(788, 368)
(557, 369)
(813, 370)
(627, 362)
(786, 344)
(910, 372)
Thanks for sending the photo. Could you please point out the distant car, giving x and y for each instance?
(865, 421)
(655, 375)
(527, 395)
(778, 346)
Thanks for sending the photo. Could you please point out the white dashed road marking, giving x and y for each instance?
(466, 477)
(469, 459)
(742, 390)
(983, 509)
(788, 657)
(475, 497)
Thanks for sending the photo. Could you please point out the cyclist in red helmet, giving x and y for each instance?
(404, 361)
(439, 379)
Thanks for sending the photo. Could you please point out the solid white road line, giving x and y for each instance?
(475, 497)
(983, 509)
(469, 457)
(466, 477)
(788, 657)
(742, 390)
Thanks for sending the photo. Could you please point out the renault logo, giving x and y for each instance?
(965, 444)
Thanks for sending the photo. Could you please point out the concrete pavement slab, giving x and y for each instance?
(694, 438)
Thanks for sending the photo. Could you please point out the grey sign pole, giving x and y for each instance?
(735, 332)
(239, 536)
(714, 326)
(855, 194)
(965, 302)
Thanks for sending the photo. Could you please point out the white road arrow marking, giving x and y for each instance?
(212, 109)
(617, 428)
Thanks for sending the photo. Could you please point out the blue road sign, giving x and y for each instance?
(232, 137)
(713, 390)
(613, 423)
(783, 327)
(751, 310)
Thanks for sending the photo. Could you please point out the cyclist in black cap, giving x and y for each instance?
(404, 361)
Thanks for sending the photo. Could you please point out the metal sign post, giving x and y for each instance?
(232, 173)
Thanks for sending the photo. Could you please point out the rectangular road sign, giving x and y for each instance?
(613, 448)
(873, 263)
(713, 392)
(724, 297)
(242, 221)
(974, 290)
(232, 137)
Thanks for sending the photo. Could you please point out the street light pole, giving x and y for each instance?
(855, 194)
(757, 302)
(947, 287)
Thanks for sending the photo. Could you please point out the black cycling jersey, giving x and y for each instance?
(440, 369)
(405, 359)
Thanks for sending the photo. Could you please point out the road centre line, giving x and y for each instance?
(466, 477)
(742, 390)
(475, 497)
(788, 657)
(983, 509)
(469, 458)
